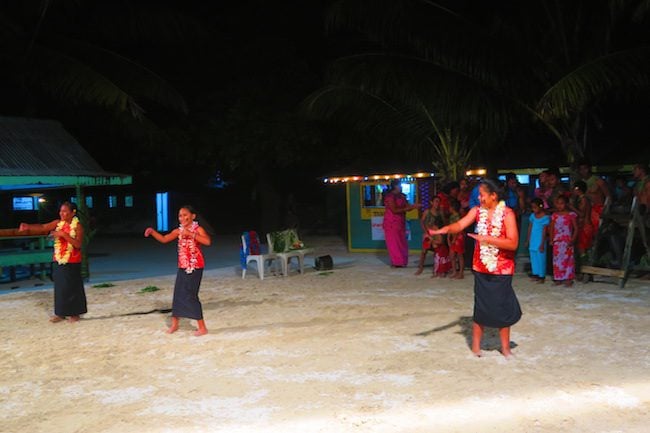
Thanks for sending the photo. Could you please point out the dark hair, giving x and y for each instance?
(581, 185)
(537, 202)
(554, 171)
(449, 186)
(492, 187)
(563, 198)
(394, 183)
(189, 208)
(70, 205)
(510, 176)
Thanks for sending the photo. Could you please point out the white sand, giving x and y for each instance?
(365, 348)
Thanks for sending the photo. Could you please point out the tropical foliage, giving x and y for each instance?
(72, 52)
(482, 70)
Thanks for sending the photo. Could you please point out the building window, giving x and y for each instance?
(89, 201)
(128, 201)
(112, 201)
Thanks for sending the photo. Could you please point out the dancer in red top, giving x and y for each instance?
(190, 268)
(495, 302)
(68, 233)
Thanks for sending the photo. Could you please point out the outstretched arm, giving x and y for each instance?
(163, 239)
(459, 225)
(41, 229)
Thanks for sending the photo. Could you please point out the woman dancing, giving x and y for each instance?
(497, 238)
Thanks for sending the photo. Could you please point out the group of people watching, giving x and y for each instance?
(562, 219)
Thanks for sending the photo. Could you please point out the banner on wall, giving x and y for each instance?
(377, 231)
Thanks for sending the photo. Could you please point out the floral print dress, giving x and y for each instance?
(564, 266)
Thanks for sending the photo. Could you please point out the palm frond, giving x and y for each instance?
(572, 93)
(66, 78)
(453, 97)
(132, 77)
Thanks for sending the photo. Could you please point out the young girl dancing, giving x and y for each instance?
(190, 268)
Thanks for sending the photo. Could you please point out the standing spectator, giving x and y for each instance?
(448, 194)
(431, 218)
(555, 187)
(582, 207)
(395, 224)
(563, 233)
(456, 243)
(537, 238)
(597, 191)
(642, 186)
(543, 191)
(463, 195)
(622, 192)
(511, 198)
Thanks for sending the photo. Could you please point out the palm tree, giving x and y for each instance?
(64, 51)
(482, 70)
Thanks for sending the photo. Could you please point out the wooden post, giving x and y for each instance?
(84, 219)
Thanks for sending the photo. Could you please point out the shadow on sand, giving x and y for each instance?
(490, 339)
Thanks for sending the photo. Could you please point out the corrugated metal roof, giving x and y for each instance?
(40, 147)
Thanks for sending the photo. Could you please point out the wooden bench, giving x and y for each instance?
(34, 251)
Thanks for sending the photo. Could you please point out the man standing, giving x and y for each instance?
(597, 191)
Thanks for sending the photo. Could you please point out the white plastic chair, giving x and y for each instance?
(259, 259)
(285, 256)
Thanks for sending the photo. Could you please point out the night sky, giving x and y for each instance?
(243, 69)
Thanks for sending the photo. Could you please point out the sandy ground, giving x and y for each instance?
(364, 348)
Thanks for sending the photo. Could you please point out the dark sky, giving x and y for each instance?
(221, 55)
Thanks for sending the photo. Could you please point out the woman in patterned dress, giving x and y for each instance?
(497, 238)
(563, 234)
(190, 237)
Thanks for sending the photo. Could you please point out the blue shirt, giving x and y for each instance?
(512, 201)
(473, 197)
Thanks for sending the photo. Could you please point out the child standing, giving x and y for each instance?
(536, 240)
(441, 263)
(190, 268)
(456, 244)
(431, 218)
(563, 233)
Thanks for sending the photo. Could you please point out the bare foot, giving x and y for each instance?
(434, 275)
(56, 319)
(541, 280)
(172, 329)
(568, 283)
(73, 319)
(507, 354)
(200, 332)
(460, 276)
(477, 353)
(419, 271)
(452, 275)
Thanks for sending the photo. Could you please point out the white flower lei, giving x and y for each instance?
(488, 253)
(184, 244)
(63, 259)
